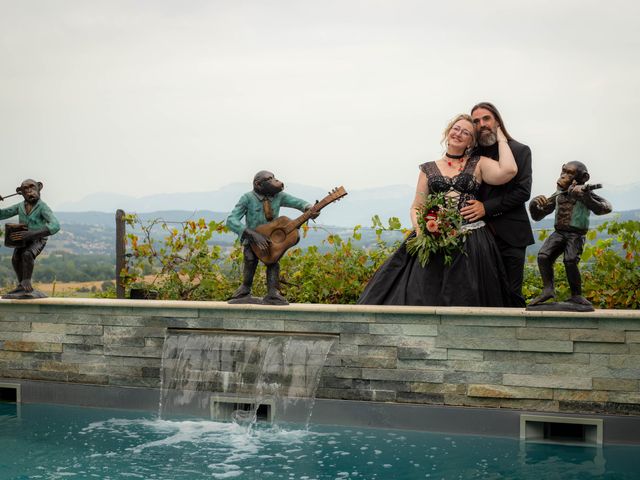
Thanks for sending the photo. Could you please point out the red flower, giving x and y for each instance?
(432, 226)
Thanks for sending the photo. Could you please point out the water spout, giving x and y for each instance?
(241, 377)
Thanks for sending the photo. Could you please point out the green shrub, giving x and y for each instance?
(610, 268)
(338, 275)
(187, 264)
(611, 278)
(183, 264)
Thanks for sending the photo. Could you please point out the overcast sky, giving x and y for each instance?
(143, 97)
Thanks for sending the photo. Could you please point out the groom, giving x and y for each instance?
(502, 207)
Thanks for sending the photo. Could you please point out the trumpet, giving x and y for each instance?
(12, 195)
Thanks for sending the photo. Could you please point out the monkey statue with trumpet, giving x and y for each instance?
(573, 202)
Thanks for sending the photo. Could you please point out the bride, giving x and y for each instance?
(475, 276)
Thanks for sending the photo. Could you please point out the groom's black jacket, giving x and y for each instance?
(504, 205)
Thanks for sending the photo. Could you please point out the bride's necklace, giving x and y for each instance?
(460, 160)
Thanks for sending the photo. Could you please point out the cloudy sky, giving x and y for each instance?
(151, 96)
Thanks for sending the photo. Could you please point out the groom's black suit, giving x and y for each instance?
(506, 215)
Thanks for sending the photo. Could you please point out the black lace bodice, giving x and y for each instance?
(464, 184)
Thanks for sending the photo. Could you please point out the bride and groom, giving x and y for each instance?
(486, 174)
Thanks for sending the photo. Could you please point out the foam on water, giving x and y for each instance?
(235, 439)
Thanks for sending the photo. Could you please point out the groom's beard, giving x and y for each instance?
(487, 137)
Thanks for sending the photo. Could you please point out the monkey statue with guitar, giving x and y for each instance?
(573, 201)
(265, 235)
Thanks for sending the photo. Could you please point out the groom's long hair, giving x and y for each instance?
(492, 108)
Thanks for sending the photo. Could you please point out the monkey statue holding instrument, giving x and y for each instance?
(573, 201)
(265, 235)
(28, 237)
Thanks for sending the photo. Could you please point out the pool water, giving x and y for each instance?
(60, 442)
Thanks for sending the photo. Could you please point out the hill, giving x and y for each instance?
(356, 208)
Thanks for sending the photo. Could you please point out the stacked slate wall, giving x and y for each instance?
(551, 362)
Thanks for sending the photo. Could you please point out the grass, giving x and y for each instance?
(67, 289)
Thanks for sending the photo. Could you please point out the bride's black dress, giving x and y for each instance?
(475, 277)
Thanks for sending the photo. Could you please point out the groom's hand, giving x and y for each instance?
(473, 210)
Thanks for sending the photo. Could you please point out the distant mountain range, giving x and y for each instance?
(88, 226)
(93, 233)
(356, 208)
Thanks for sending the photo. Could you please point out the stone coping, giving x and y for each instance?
(321, 308)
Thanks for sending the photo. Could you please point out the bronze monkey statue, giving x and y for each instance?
(572, 202)
(29, 237)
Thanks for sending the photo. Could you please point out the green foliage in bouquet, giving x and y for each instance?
(440, 225)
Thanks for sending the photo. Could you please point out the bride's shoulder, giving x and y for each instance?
(431, 166)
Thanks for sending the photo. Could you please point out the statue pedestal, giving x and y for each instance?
(560, 307)
(250, 300)
(22, 295)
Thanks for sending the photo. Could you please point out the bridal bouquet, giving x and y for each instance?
(440, 224)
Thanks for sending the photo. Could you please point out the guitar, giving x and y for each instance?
(283, 232)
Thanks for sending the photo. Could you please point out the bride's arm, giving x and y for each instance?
(497, 173)
(421, 190)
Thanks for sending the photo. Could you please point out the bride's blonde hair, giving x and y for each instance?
(456, 119)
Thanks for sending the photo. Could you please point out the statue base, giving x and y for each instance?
(560, 307)
(250, 300)
(246, 300)
(22, 295)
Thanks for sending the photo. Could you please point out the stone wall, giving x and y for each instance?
(553, 362)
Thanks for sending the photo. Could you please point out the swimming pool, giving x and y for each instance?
(40, 441)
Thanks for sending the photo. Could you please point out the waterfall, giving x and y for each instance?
(241, 377)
